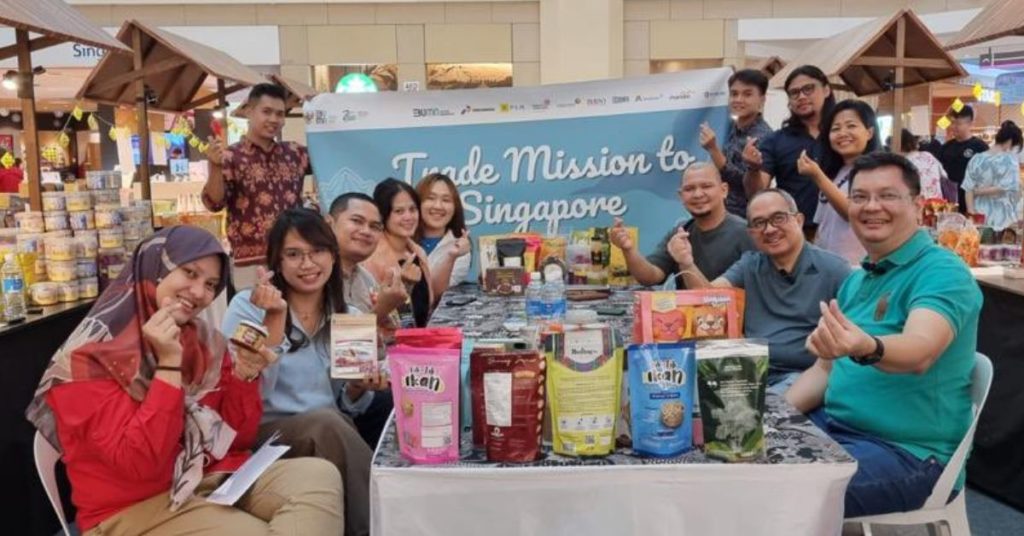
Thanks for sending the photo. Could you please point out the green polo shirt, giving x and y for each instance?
(925, 414)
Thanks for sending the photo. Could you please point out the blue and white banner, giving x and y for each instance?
(547, 159)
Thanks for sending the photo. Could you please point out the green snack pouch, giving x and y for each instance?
(732, 377)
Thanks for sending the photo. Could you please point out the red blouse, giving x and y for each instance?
(120, 452)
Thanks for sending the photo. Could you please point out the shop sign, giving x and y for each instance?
(1011, 85)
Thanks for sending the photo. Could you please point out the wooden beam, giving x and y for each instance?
(897, 101)
(920, 63)
(142, 109)
(38, 43)
(30, 133)
(222, 102)
(154, 68)
(214, 96)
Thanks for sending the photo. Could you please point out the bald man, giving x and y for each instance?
(716, 238)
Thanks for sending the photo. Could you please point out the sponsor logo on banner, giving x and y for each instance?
(619, 99)
(684, 94)
(597, 101)
(713, 94)
(431, 112)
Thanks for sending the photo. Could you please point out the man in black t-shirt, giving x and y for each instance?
(957, 152)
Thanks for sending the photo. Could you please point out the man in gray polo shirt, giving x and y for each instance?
(717, 237)
(785, 280)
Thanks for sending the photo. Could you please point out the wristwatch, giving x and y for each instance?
(873, 357)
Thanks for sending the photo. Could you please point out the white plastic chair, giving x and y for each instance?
(935, 510)
(46, 464)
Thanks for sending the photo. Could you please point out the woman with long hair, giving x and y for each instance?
(992, 181)
(150, 410)
(848, 131)
(312, 413)
(442, 232)
(398, 256)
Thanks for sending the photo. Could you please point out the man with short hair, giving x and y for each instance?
(747, 89)
(895, 349)
(785, 280)
(717, 237)
(957, 152)
(256, 180)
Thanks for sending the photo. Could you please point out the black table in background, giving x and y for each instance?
(25, 351)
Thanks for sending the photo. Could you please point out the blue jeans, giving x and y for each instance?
(888, 478)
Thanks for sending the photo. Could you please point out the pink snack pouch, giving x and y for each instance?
(425, 382)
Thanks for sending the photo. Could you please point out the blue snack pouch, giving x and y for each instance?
(661, 384)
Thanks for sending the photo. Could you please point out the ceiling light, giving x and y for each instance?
(218, 114)
(10, 80)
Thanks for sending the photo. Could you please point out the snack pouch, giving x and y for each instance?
(425, 383)
(353, 346)
(732, 378)
(661, 384)
(618, 272)
(584, 385)
(441, 337)
(513, 385)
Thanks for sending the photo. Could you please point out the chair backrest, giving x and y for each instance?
(981, 380)
(46, 463)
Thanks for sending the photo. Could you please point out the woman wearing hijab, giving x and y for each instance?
(151, 412)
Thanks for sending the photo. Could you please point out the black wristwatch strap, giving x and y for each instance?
(873, 357)
(174, 369)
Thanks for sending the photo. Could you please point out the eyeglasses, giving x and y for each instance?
(296, 257)
(777, 220)
(885, 198)
(794, 93)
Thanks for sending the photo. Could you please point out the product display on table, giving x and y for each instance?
(661, 385)
(425, 382)
(732, 378)
(513, 393)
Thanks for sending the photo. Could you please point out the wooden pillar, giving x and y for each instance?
(30, 136)
(897, 101)
(222, 102)
(142, 109)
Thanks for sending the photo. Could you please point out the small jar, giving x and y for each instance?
(88, 288)
(45, 293)
(132, 230)
(31, 243)
(68, 292)
(56, 221)
(79, 201)
(106, 197)
(87, 247)
(250, 335)
(54, 201)
(61, 271)
(82, 220)
(108, 216)
(61, 249)
(29, 222)
(86, 268)
(111, 238)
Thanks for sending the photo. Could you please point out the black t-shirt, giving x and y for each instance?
(779, 152)
(956, 154)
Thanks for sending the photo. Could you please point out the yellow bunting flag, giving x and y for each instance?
(997, 98)
(977, 90)
(957, 105)
(93, 124)
(194, 142)
(112, 133)
(63, 139)
(7, 160)
(51, 153)
(77, 113)
(944, 122)
(203, 147)
(1022, 108)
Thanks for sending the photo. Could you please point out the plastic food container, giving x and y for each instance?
(79, 200)
(81, 220)
(9, 237)
(109, 262)
(106, 197)
(88, 288)
(111, 238)
(108, 215)
(30, 243)
(54, 201)
(61, 271)
(29, 222)
(249, 335)
(87, 246)
(132, 230)
(45, 293)
(61, 249)
(103, 180)
(86, 268)
(67, 292)
(56, 221)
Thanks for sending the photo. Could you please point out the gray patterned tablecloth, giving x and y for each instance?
(790, 437)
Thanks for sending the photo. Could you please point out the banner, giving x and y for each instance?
(548, 159)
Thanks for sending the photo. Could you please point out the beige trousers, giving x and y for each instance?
(329, 434)
(300, 496)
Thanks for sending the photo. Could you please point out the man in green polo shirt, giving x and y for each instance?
(895, 350)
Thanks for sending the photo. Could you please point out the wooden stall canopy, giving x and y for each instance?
(769, 66)
(863, 59)
(1001, 18)
(56, 22)
(298, 94)
(173, 69)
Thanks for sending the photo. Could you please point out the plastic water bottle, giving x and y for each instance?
(13, 290)
(535, 309)
(554, 299)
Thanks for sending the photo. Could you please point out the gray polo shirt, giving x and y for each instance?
(784, 308)
(714, 251)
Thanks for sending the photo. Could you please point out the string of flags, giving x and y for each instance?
(980, 93)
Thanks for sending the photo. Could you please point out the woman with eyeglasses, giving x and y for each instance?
(992, 181)
(398, 251)
(848, 131)
(442, 233)
(295, 301)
